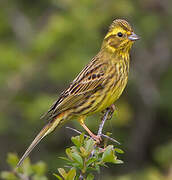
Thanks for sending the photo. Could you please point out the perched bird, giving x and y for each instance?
(97, 86)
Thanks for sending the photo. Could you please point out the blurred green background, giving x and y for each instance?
(44, 45)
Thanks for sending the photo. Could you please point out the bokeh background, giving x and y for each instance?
(44, 44)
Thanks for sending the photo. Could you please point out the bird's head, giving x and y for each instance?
(120, 36)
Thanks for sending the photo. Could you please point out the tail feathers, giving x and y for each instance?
(45, 131)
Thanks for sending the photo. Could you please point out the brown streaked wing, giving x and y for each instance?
(85, 84)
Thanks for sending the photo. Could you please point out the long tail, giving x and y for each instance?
(48, 128)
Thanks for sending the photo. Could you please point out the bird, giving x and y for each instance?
(97, 86)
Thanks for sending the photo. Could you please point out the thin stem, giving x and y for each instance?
(81, 177)
(75, 130)
(112, 139)
(104, 118)
(103, 122)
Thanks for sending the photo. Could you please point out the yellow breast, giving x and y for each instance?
(116, 85)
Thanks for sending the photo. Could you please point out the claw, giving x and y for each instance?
(112, 109)
(97, 138)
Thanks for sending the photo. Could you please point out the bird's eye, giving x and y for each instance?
(120, 34)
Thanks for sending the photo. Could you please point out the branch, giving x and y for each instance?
(107, 115)
(111, 139)
(103, 122)
(104, 118)
(75, 130)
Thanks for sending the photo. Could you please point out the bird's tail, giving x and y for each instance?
(48, 128)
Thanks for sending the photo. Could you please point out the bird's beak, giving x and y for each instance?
(133, 37)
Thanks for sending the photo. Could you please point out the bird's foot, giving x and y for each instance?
(97, 138)
(112, 109)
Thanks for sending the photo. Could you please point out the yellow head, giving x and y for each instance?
(120, 36)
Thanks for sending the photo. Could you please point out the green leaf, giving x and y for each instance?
(26, 166)
(83, 151)
(39, 168)
(119, 150)
(12, 159)
(90, 177)
(76, 141)
(89, 146)
(91, 160)
(82, 138)
(69, 153)
(97, 167)
(89, 169)
(74, 149)
(62, 172)
(57, 176)
(71, 174)
(8, 176)
(118, 161)
(77, 158)
(66, 159)
(38, 177)
(108, 155)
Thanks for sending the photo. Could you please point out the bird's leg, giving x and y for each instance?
(110, 114)
(95, 137)
(112, 109)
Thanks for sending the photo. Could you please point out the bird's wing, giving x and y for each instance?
(90, 80)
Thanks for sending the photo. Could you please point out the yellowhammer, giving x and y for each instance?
(97, 86)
